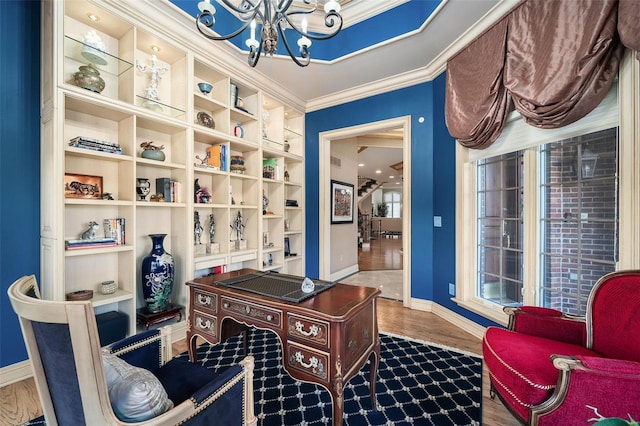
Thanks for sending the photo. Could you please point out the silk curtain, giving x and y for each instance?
(557, 62)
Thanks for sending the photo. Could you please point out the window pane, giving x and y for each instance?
(579, 218)
(500, 229)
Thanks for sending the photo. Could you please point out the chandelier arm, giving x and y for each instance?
(239, 10)
(329, 23)
(202, 20)
(283, 5)
(303, 50)
(254, 56)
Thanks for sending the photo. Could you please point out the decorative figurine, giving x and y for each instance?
(265, 203)
(202, 194)
(286, 175)
(212, 227)
(156, 70)
(238, 228)
(90, 233)
(197, 228)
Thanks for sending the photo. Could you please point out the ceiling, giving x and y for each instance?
(418, 47)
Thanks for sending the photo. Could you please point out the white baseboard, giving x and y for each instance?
(15, 372)
(338, 275)
(448, 315)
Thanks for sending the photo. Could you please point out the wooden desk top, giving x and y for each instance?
(334, 303)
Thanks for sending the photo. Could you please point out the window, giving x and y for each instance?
(393, 200)
(536, 222)
(578, 218)
(499, 228)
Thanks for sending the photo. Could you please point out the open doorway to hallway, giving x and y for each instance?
(380, 253)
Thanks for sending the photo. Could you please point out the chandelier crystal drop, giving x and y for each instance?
(273, 17)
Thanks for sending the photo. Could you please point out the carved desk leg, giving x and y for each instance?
(336, 392)
(374, 360)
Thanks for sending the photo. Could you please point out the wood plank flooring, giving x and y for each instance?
(19, 401)
(383, 253)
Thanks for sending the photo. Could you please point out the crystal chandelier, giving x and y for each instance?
(274, 16)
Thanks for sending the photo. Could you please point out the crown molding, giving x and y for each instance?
(420, 75)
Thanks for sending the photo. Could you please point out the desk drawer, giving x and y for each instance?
(204, 323)
(251, 312)
(204, 300)
(310, 330)
(308, 361)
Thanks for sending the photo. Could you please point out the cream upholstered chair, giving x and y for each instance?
(69, 370)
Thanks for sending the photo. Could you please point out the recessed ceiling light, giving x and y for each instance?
(93, 17)
(378, 171)
(361, 165)
(391, 177)
(155, 48)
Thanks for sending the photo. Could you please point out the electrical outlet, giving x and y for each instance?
(452, 289)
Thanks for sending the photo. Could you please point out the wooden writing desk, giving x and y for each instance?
(326, 339)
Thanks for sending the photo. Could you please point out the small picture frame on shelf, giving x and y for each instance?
(82, 186)
(265, 239)
(287, 247)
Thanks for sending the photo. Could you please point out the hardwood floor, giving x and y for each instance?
(19, 401)
(383, 253)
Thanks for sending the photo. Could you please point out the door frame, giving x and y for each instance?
(325, 139)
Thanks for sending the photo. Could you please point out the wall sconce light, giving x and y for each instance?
(587, 162)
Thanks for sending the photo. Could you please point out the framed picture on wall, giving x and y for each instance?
(342, 202)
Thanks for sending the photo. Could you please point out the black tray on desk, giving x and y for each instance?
(273, 284)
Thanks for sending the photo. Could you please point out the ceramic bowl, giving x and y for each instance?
(205, 88)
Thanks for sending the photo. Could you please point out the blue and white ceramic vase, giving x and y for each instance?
(157, 276)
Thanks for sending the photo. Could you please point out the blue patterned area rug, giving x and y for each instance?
(418, 384)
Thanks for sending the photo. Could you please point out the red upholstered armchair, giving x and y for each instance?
(553, 369)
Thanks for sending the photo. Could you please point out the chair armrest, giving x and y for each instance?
(609, 386)
(547, 323)
(149, 350)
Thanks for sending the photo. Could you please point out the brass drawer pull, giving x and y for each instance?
(205, 325)
(313, 330)
(313, 361)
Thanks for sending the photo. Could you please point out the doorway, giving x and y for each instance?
(335, 136)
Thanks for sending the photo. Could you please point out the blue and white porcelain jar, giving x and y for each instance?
(157, 276)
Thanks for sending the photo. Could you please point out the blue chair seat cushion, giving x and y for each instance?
(181, 378)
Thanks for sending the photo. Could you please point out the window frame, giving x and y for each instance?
(619, 109)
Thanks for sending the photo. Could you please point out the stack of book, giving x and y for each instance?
(218, 157)
(170, 189)
(94, 243)
(96, 145)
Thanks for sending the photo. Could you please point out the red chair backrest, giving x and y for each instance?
(614, 315)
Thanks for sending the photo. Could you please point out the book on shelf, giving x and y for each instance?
(170, 189)
(214, 156)
(94, 243)
(115, 229)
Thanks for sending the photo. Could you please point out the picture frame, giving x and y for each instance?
(82, 186)
(265, 239)
(342, 202)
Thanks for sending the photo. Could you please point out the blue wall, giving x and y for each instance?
(432, 183)
(19, 161)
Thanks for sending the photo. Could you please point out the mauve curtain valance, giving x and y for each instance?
(555, 59)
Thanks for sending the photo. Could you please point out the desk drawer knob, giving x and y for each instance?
(204, 300)
(269, 317)
(205, 325)
(225, 305)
